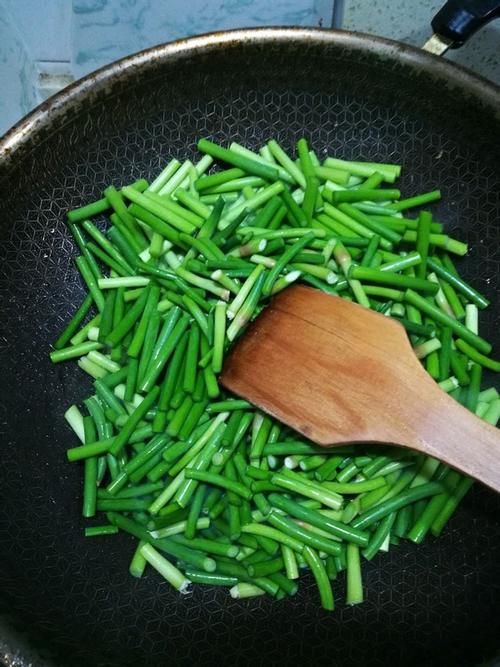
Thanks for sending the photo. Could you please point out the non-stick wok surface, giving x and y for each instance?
(71, 599)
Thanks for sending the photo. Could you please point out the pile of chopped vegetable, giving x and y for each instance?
(214, 491)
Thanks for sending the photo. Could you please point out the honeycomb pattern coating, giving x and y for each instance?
(71, 599)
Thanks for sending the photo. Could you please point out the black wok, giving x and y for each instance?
(70, 601)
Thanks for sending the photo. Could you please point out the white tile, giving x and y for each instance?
(52, 77)
(45, 26)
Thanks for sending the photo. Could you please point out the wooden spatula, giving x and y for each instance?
(339, 373)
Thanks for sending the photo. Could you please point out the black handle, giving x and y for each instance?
(460, 19)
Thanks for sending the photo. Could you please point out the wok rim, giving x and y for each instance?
(19, 136)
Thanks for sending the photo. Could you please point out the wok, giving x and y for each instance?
(70, 601)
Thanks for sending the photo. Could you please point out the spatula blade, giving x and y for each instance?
(323, 365)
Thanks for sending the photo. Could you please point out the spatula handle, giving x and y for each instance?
(460, 19)
(459, 438)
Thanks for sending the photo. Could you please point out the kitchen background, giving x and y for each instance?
(46, 44)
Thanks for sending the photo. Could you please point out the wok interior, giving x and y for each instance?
(72, 598)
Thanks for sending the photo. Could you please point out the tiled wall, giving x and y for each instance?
(47, 43)
(17, 73)
(44, 44)
(408, 21)
(108, 29)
